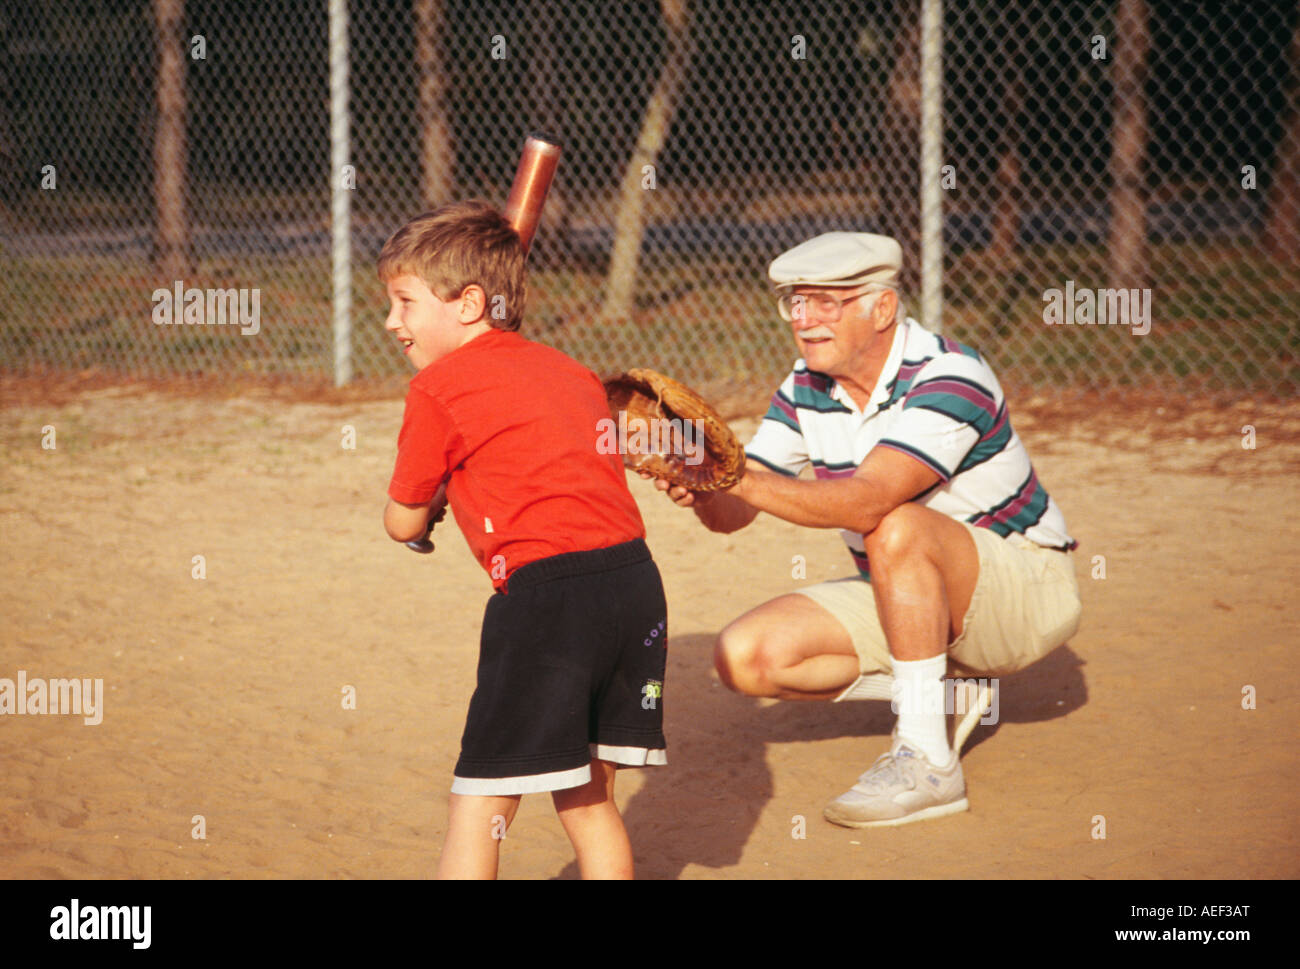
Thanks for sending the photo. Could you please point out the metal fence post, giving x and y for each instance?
(340, 196)
(931, 155)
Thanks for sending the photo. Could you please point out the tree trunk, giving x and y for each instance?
(1282, 221)
(1128, 224)
(629, 228)
(899, 172)
(437, 178)
(171, 227)
(1006, 207)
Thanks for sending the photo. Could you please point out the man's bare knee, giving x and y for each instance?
(737, 656)
(899, 533)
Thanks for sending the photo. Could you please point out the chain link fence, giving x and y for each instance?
(1120, 180)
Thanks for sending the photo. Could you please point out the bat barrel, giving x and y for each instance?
(537, 165)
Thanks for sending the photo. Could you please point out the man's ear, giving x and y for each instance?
(882, 317)
(473, 304)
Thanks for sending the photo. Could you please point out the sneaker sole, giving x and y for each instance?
(938, 811)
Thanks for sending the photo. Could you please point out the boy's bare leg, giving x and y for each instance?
(475, 826)
(595, 827)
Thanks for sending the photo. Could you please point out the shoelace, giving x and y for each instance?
(885, 772)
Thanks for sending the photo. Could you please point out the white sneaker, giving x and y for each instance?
(902, 786)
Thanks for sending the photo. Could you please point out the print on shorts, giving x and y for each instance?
(650, 693)
(658, 635)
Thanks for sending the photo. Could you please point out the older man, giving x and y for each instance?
(962, 556)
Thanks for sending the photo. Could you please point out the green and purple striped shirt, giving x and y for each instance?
(936, 401)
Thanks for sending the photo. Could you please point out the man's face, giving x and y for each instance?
(835, 329)
(427, 327)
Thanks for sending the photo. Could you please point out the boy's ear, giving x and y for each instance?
(473, 304)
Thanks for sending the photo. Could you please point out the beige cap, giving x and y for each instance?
(838, 259)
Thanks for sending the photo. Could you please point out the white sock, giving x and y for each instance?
(869, 686)
(918, 700)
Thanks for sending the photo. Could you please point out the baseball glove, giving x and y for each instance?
(669, 431)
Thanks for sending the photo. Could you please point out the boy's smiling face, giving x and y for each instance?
(428, 327)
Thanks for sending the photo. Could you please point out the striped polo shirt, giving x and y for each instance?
(937, 401)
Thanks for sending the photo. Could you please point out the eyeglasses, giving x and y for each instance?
(797, 306)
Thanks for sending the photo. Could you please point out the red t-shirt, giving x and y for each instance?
(513, 423)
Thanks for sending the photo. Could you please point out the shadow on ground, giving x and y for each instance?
(718, 776)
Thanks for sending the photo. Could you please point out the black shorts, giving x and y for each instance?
(571, 667)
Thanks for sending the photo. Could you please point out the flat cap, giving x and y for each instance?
(838, 259)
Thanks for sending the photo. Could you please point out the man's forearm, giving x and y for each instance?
(848, 503)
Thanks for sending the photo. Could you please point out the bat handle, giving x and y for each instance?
(425, 545)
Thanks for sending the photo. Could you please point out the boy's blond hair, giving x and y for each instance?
(457, 245)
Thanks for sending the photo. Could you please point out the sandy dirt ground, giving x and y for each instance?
(1169, 721)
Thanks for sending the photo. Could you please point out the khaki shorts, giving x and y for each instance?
(1025, 604)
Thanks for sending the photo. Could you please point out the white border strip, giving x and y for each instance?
(630, 756)
(558, 780)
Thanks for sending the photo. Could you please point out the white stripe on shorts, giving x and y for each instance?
(558, 780)
(630, 756)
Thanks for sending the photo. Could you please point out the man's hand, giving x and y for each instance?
(680, 495)
(718, 511)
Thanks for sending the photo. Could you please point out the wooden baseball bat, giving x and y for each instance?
(533, 177)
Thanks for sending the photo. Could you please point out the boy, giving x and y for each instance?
(572, 652)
